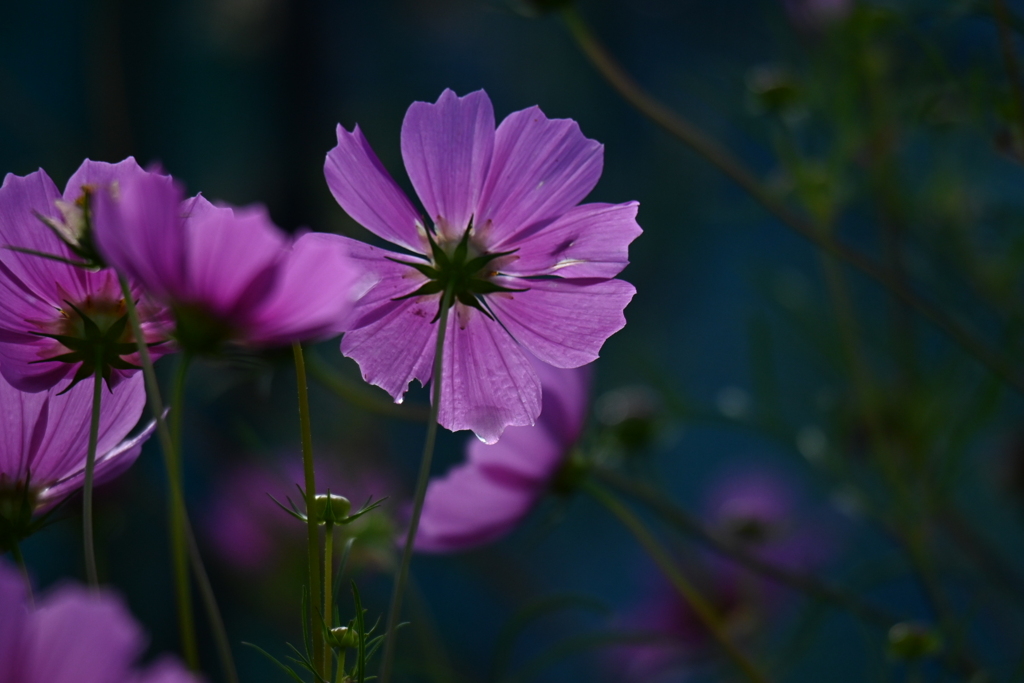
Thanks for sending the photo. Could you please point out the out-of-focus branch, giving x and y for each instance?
(722, 158)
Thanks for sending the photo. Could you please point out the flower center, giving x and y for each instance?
(198, 331)
(461, 268)
(96, 334)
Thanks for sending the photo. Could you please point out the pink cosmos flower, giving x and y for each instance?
(43, 444)
(488, 495)
(530, 270)
(73, 636)
(229, 275)
(49, 308)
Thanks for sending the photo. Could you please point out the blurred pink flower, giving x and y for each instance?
(229, 275)
(487, 496)
(531, 271)
(73, 635)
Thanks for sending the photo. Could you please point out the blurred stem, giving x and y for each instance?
(707, 615)
(359, 395)
(707, 147)
(328, 598)
(213, 615)
(395, 611)
(1002, 17)
(682, 521)
(90, 471)
(312, 531)
(176, 504)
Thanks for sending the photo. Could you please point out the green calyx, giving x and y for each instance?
(198, 332)
(17, 505)
(97, 337)
(466, 274)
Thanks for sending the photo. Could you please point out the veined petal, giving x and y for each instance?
(382, 277)
(139, 231)
(588, 241)
(467, 508)
(489, 383)
(99, 640)
(447, 148)
(21, 198)
(541, 168)
(563, 322)
(368, 194)
(314, 292)
(18, 354)
(393, 342)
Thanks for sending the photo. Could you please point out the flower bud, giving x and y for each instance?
(910, 640)
(343, 637)
(331, 508)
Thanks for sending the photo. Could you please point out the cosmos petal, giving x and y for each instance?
(139, 232)
(99, 640)
(369, 194)
(21, 198)
(541, 168)
(468, 508)
(564, 322)
(488, 382)
(447, 149)
(393, 342)
(588, 241)
(101, 174)
(314, 292)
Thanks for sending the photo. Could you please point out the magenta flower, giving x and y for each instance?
(51, 309)
(229, 275)
(73, 636)
(43, 443)
(490, 494)
(529, 269)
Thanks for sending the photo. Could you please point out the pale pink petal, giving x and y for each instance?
(489, 383)
(468, 508)
(541, 168)
(314, 293)
(139, 231)
(393, 342)
(588, 241)
(232, 258)
(563, 322)
(447, 147)
(368, 194)
(21, 198)
(101, 175)
(76, 636)
(61, 453)
(382, 276)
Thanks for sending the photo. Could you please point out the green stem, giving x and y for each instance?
(220, 634)
(997, 363)
(328, 583)
(19, 559)
(89, 541)
(701, 608)
(312, 531)
(682, 521)
(176, 503)
(394, 613)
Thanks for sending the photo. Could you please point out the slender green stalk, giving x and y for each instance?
(805, 583)
(328, 584)
(312, 532)
(997, 363)
(19, 559)
(394, 613)
(88, 538)
(220, 634)
(701, 609)
(176, 502)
